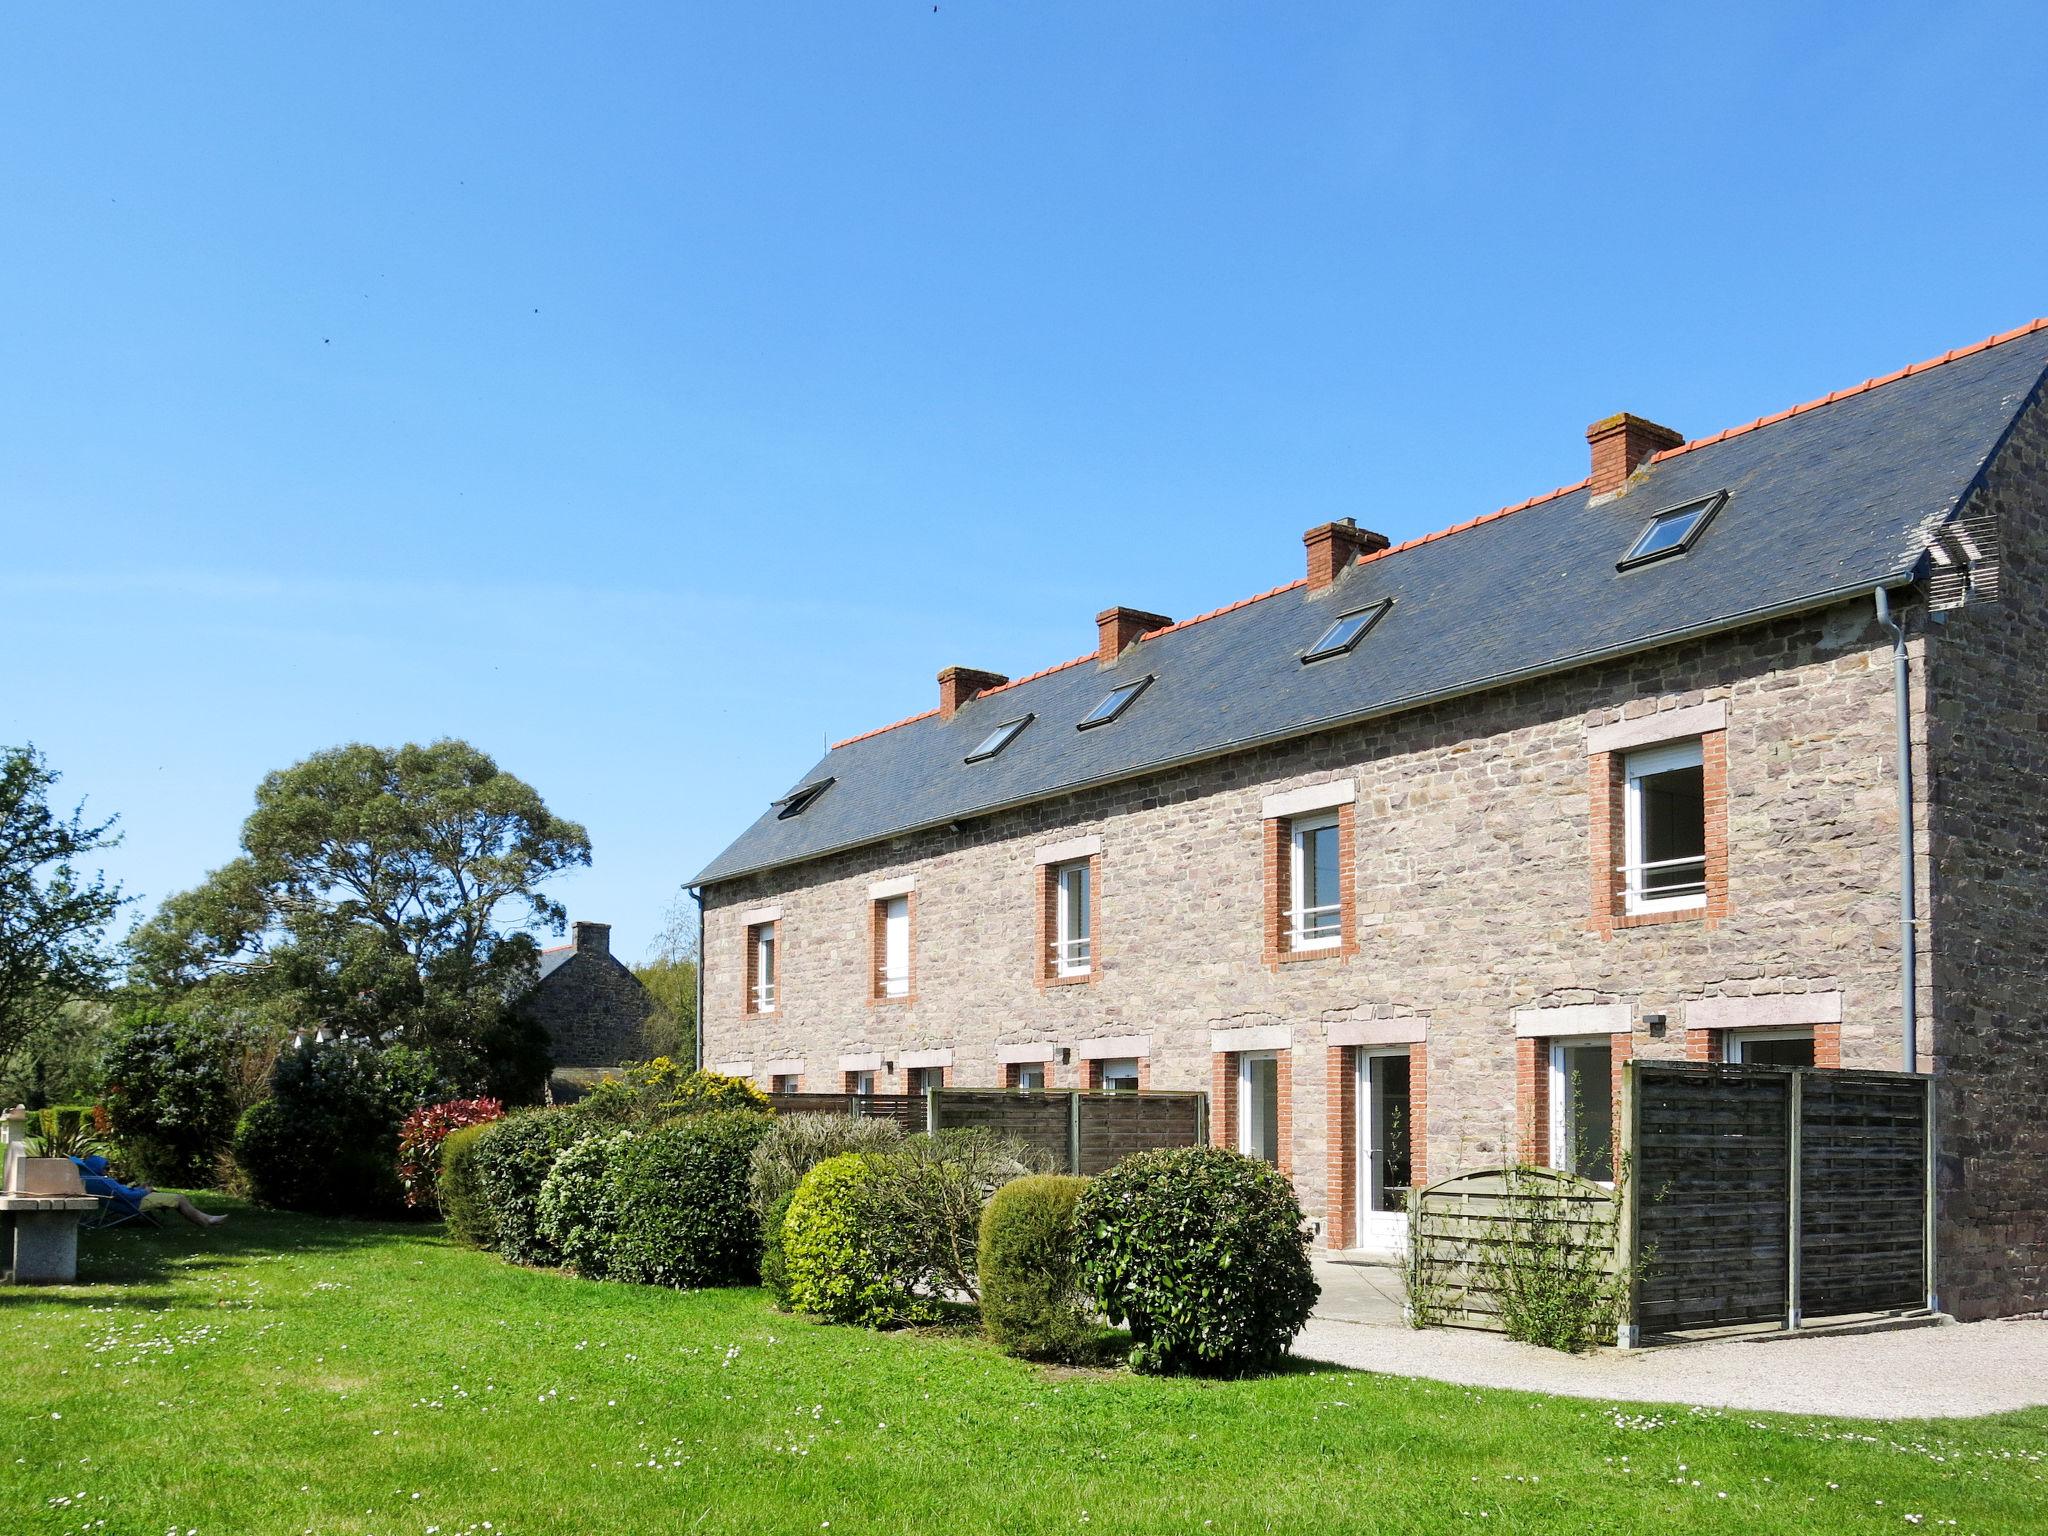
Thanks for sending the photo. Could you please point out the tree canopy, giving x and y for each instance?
(52, 915)
(379, 891)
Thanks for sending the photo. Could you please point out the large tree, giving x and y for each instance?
(53, 916)
(670, 974)
(382, 892)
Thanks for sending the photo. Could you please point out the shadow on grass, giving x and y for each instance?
(133, 1265)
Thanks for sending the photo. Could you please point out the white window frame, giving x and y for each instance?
(777, 1079)
(1379, 1231)
(1298, 938)
(1072, 951)
(1030, 1069)
(1247, 1141)
(1637, 766)
(1116, 1065)
(864, 1084)
(1734, 1040)
(1560, 1100)
(895, 977)
(762, 982)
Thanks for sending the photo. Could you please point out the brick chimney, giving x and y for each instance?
(959, 684)
(1621, 444)
(592, 938)
(1118, 628)
(1332, 546)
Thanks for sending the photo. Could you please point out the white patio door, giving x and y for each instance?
(1384, 1150)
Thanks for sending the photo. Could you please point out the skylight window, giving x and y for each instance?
(999, 738)
(799, 801)
(1346, 631)
(1673, 532)
(1113, 704)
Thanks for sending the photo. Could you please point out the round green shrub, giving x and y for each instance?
(174, 1083)
(841, 1264)
(463, 1206)
(680, 1193)
(579, 1204)
(1031, 1303)
(513, 1160)
(1203, 1253)
(774, 1269)
(798, 1143)
(325, 1140)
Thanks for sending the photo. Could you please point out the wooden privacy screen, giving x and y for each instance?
(1079, 1132)
(1460, 1227)
(1779, 1193)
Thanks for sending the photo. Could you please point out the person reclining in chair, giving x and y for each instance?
(93, 1170)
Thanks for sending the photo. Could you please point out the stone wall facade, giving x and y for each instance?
(594, 1009)
(1987, 804)
(1479, 921)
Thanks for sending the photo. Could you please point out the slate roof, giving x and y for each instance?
(1827, 499)
(552, 960)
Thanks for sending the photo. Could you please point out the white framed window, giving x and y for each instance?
(1315, 917)
(1665, 828)
(1582, 1107)
(1031, 1077)
(762, 982)
(1386, 1149)
(1769, 1047)
(1073, 942)
(920, 1080)
(1120, 1075)
(783, 1082)
(1258, 1104)
(895, 917)
(863, 1083)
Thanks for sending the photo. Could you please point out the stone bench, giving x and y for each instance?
(39, 1236)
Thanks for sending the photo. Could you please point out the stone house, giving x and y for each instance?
(1403, 859)
(594, 1009)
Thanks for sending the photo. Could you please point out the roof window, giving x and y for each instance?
(999, 738)
(798, 801)
(1346, 631)
(1673, 532)
(1114, 703)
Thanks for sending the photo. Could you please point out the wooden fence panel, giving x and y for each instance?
(1079, 1132)
(1863, 1212)
(906, 1109)
(1114, 1125)
(1040, 1120)
(1459, 1227)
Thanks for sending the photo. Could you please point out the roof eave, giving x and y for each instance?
(1904, 576)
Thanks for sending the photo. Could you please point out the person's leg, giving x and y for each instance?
(196, 1216)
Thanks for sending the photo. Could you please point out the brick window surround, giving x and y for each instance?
(1711, 1044)
(1014, 1071)
(1091, 1073)
(749, 1003)
(917, 1079)
(878, 953)
(1223, 1102)
(1532, 1094)
(1046, 905)
(1340, 1073)
(1276, 836)
(1607, 790)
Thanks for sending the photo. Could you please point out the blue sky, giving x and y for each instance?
(649, 394)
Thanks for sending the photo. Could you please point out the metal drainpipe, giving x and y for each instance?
(1909, 1013)
(697, 1033)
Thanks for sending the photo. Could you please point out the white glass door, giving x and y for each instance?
(1385, 1150)
(1258, 1105)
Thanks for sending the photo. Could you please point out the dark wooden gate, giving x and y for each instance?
(1760, 1193)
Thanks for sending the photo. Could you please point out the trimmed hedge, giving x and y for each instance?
(841, 1264)
(463, 1206)
(774, 1267)
(1203, 1252)
(513, 1160)
(798, 1143)
(579, 1205)
(1031, 1302)
(680, 1194)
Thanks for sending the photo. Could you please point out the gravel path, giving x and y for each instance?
(1921, 1373)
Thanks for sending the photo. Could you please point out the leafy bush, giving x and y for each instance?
(323, 1140)
(1031, 1302)
(681, 1198)
(774, 1268)
(798, 1143)
(463, 1206)
(928, 1193)
(174, 1086)
(650, 1092)
(420, 1136)
(1550, 1261)
(841, 1264)
(579, 1205)
(513, 1159)
(1204, 1254)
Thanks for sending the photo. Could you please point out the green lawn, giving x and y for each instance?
(285, 1374)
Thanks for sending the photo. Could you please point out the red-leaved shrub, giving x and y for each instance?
(419, 1144)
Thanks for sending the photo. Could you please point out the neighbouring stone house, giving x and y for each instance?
(593, 1007)
(1403, 859)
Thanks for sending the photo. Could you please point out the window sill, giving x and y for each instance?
(1079, 979)
(1326, 952)
(893, 1002)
